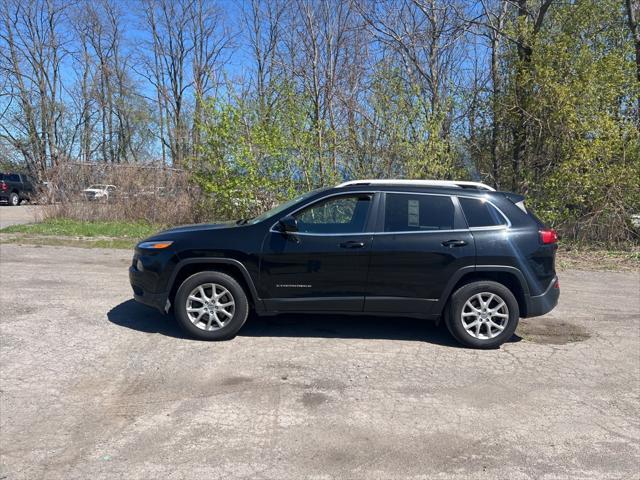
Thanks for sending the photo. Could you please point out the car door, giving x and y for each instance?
(422, 241)
(322, 266)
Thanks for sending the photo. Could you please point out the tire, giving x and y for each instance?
(486, 306)
(219, 319)
(14, 199)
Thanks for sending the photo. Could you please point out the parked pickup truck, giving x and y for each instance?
(15, 187)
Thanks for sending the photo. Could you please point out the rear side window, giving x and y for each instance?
(480, 213)
(417, 213)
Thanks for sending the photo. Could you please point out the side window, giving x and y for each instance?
(480, 213)
(346, 214)
(416, 213)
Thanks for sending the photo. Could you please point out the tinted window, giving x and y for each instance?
(335, 215)
(12, 177)
(415, 213)
(480, 213)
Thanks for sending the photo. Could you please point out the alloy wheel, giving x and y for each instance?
(210, 306)
(485, 315)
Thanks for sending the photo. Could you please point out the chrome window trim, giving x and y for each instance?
(308, 234)
(402, 232)
(491, 227)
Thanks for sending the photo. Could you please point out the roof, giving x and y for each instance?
(420, 183)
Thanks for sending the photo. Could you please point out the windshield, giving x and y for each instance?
(283, 206)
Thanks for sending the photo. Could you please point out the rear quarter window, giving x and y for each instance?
(480, 213)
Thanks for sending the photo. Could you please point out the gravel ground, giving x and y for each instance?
(95, 386)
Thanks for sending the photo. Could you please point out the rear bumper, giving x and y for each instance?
(158, 301)
(541, 304)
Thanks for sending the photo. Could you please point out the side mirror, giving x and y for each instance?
(288, 224)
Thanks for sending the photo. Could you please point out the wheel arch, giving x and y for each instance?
(235, 269)
(510, 277)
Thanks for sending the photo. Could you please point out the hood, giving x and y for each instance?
(197, 227)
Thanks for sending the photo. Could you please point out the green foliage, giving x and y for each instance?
(583, 163)
(570, 99)
(247, 164)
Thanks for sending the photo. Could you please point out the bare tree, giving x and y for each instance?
(633, 16)
(211, 41)
(31, 55)
(264, 21)
(530, 19)
(495, 15)
(427, 36)
(169, 22)
(316, 53)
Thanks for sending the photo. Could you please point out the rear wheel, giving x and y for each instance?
(482, 314)
(211, 306)
(14, 199)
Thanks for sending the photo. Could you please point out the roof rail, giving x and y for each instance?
(421, 183)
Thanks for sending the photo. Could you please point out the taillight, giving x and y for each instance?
(548, 235)
(3, 186)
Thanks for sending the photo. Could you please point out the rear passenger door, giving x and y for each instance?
(421, 241)
(494, 246)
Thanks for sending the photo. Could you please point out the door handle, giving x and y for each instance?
(454, 243)
(352, 244)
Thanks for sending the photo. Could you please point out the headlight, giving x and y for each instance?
(159, 245)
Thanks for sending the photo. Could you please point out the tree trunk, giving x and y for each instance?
(633, 12)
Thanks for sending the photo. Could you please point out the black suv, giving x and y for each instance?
(428, 249)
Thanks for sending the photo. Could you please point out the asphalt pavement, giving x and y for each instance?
(18, 215)
(93, 385)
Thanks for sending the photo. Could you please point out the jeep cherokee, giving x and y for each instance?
(459, 251)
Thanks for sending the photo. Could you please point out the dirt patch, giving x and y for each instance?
(233, 381)
(66, 241)
(313, 399)
(581, 258)
(551, 331)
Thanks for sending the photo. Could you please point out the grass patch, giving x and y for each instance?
(75, 233)
(76, 228)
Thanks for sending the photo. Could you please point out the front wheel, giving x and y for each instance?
(14, 199)
(211, 306)
(482, 314)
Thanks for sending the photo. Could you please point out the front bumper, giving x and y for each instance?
(159, 301)
(541, 304)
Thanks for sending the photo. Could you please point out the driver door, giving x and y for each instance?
(324, 265)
